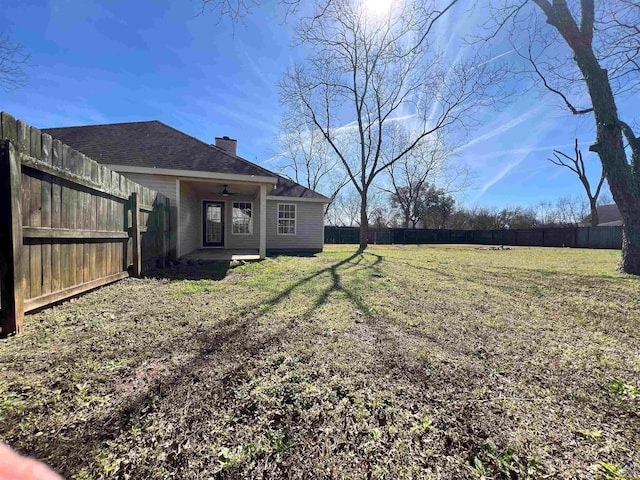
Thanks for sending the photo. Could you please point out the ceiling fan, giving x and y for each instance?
(227, 193)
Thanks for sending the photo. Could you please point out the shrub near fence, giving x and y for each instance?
(579, 237)
(67, 223)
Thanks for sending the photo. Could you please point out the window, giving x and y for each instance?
(286, 219)
(242, 220)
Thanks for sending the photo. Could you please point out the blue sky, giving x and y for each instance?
(119, 61)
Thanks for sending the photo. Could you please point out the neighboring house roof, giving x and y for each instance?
(154, 144)
(608, 215)
(615, 223)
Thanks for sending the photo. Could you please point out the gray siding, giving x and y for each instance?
(309, 226)
(190, 219)
(163, 184)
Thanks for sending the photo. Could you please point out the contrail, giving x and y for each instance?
(500, 130)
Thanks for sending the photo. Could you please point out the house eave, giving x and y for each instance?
(232, 177)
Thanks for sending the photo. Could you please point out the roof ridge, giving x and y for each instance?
(217, 148)
(101, 125)
(244, 160)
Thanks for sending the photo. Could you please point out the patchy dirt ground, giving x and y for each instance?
(402, 362)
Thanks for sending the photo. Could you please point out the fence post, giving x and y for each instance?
(165, 208)
(135, 234)
(11, 275)
(160, 233)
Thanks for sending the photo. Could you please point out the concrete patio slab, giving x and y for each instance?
(219, 254)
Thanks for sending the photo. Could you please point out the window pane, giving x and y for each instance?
(242, 218)
(286, 219)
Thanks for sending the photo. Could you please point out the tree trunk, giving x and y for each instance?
(630, 259)
(364, 222)
(623, 183)
(594, 212)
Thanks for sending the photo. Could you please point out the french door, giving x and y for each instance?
(213, 224)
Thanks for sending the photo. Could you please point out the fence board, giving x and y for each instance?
(71, 223)
(135, 209)
(580, 237)
(45, 219)
(35, 250)
(84, 221)
(56, 205)
(39, 302)
(78, 215)
(12, 278)
(23, 144)
(93, 223)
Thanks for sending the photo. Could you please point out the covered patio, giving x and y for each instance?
(222, 219)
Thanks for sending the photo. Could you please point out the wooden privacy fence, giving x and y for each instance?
(67, 223)
(579, 237)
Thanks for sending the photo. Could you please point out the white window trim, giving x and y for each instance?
(295, 220)
(250, 220)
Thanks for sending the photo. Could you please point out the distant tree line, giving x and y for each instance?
(437, 209)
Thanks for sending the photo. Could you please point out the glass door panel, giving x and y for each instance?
(213, 224)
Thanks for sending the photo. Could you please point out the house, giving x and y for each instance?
(219, 199)
(608, 216)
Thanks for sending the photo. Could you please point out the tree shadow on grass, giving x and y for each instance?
(336, 284)
(231, 340)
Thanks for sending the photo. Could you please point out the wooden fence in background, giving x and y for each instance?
(578, 237)
(68, 224)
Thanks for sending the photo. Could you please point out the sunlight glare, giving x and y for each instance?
(378, 7)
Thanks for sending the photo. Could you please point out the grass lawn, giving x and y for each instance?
(403, 362)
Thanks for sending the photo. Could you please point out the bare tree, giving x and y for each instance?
(410, 179)
(13, 60)
(364, 71)
(589, 52)
(310, 160)
(571, 210)
(546, 213)
(605, 198)
(238, 10)
(345, 209)
(576, 165)
(424, 177)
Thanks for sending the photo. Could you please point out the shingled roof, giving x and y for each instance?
(608, 216)
(289, 188)
(154, 144)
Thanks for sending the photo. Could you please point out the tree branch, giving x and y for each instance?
(573, 109)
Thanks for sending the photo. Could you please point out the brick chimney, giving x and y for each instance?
(227, 144)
